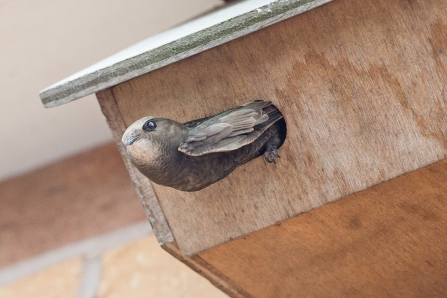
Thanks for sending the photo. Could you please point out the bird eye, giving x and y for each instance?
(150, 125)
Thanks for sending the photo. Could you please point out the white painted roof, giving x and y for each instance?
(196, 36)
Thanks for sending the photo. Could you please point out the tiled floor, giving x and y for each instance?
(140, 270)
(77, 229)
(76, 198)
(60, 280)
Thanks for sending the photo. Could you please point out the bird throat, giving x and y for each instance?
(156, 162)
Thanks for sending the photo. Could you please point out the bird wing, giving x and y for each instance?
(230, 130)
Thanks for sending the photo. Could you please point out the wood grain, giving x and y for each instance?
(361, 86)
(142, 185)
(387, 241)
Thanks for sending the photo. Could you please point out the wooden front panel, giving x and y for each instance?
(387, 241)
(361, 85)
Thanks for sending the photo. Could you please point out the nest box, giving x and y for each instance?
(362, 87)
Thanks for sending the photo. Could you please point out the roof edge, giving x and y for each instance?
(176, 44)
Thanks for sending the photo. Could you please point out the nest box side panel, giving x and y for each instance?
(361, 86)
(142, 185)
(386, 241)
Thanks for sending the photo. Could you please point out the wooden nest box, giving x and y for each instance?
(362, 87)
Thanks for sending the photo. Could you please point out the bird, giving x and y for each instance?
(193, 155)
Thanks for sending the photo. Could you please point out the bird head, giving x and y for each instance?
(151, 138)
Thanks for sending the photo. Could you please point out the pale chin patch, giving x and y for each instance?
(144, 151)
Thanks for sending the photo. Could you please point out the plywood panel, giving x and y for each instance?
(142, 185)
(362, 88)
(387, 241)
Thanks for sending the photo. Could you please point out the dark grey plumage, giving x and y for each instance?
(193, 155)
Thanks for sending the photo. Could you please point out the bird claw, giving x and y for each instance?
(270, 155)
(275, 153)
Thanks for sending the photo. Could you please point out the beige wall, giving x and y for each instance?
(44, 41)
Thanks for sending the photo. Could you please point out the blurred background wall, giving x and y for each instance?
(44, 41)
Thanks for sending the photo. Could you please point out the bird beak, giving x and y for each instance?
(131, 139)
